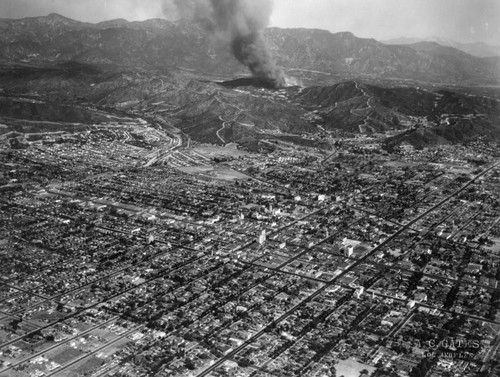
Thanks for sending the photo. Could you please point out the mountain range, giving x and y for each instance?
(237, 111)
(479, 49)
(160, 43)
(177, 74)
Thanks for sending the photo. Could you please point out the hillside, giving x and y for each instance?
(54, 69)
(242, 110)
(479, 49)
(156, 44)
(363, 108)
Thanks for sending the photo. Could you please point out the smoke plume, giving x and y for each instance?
(241, 23)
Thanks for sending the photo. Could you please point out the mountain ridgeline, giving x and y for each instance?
(160, 43)
(175, 72)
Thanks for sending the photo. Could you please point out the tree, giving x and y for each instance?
(189, 364)
(421, 369)
(450, 297)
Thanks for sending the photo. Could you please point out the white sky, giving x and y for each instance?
(461, 20)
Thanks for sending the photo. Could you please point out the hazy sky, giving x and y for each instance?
(461, 20)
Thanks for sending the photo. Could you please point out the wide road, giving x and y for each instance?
(333, 281)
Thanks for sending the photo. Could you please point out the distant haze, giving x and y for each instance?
(460, 20)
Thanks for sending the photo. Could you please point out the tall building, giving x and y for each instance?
(262, 237)
(349, 251)
(359, 292)
(150, 239)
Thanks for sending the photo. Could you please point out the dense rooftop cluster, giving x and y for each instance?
(124, 255)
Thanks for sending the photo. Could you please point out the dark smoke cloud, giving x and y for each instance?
(241, 23)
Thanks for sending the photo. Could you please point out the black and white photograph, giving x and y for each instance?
(249, 188)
